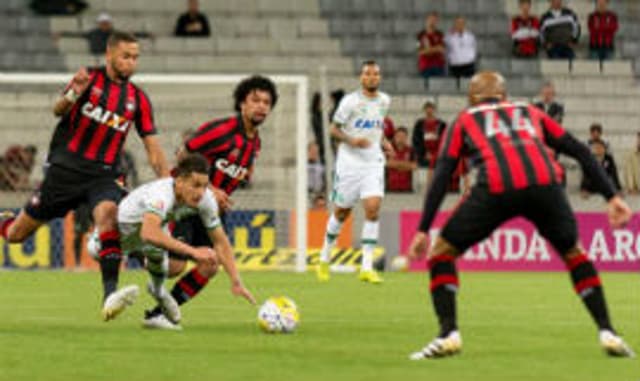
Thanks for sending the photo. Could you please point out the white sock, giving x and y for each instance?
(333, 229)
(370, 231)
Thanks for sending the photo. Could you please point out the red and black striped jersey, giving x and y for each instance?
(507, 143)
(91, 135)
(228, 149)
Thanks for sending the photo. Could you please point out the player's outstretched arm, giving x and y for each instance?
(225, 255)
(155, 155)
(76, 87)
(151, 232)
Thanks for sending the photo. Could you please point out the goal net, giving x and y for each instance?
(268, 222)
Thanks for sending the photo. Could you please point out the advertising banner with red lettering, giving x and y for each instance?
(517, 246)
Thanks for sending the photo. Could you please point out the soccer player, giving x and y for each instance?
(231, 146)
(509, 143)
(144, 217)
(358, 124)
(97, 109)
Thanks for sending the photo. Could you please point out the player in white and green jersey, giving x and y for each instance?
(358, 124)
(144, 217)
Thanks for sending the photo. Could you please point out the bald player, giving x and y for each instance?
(509, 144)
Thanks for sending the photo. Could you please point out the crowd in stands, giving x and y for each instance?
(557, 32)
(418, 149)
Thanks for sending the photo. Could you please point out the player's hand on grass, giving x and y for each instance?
(80, 81)
(224, 201)
(619, 212)
(359, 142)
(238, 289)
(204, 255)
(419, 244)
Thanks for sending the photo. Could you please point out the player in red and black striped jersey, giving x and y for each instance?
(231, 146)
(97, 109)
(509, 144)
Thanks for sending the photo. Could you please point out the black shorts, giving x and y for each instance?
(64, 190)
(191, 231)
(481, 213)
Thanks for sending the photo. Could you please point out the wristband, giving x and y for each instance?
(71, 96)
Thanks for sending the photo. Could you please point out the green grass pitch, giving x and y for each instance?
(514, 326)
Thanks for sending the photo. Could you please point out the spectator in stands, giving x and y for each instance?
(58, 7)
(192, 23)
(389, 128)
(560, 31)
(319, 202)
(426, 136)
(603, 25)
(431, 49)
(16, 167)
(98, 36)
(548, 103)
(525, 31)
(462, 50)
(595, 135)
(315, 170)
(401, 164)
(599, 150)
(632, 169)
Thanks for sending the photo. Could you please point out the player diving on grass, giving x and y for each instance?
(144, 217)
(359, 174)
(97, 109)
(510, 145)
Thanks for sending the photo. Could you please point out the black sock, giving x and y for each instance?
(444, 285)
(587, 285)
(185, 289)
(110, 258)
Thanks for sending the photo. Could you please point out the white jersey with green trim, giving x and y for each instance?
(159, 197)
(362, 117)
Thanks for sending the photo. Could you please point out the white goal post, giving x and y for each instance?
(301, 123)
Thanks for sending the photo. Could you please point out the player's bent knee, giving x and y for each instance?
(176, 267)
(443, 247)
(208, 269)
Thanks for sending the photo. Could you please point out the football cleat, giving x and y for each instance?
(370, 277)
(118, 301)
(159, 321)
(614, 346)
(322, 272)
(440, 347)
(169, 305)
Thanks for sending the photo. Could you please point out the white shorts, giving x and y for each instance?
(352, 186)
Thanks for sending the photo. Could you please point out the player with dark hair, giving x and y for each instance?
(509, 143)
(97, 109)
(230, 145)
(144, 217)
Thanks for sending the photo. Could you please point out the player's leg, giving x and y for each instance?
(370, 233)
(476, 217)
(344, 197)
(158, 268)
(192, 231)
(18, 229)
(555, 220)
(371, 192)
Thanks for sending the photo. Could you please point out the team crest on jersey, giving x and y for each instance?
(157, 204)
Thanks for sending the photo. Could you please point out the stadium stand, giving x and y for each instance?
(289, 36)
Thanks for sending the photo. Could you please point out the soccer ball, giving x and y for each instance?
(278, 315)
